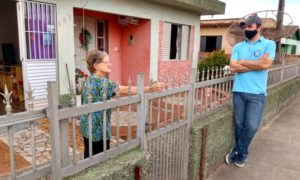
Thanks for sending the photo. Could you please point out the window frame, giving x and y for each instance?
(179, 42)
(104, 37)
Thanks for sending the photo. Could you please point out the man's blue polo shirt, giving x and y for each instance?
(254, 82)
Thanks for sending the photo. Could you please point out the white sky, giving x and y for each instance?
(240, 8)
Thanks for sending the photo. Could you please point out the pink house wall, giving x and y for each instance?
(127, 60)
(136, 57)
(174, 72)
(114, 39)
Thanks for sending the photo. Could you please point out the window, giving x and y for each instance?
(293, 49)
(102, 36)
(176, 41)
(40, 31)
(210, 43)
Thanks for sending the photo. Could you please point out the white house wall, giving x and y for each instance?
(292, 42)
(80, 54)
(136, 8)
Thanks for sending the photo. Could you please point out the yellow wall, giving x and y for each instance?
(217, 31)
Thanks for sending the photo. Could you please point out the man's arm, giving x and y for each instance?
(264, 63)
(237, 67)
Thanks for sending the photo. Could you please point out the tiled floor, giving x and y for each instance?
(22, 147)
(21, 163)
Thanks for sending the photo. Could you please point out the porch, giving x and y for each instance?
(125, 38)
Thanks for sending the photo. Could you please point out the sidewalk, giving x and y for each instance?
(274, 153)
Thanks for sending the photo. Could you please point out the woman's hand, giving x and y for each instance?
(158, 86)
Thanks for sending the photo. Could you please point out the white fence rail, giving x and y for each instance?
(22, 133)
(156, 122)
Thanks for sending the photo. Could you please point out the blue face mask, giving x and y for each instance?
(250, 33)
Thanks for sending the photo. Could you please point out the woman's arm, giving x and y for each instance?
(158, 86)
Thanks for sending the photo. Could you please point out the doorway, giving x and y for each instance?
(10, 64)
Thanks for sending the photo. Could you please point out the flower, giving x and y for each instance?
(80, 77)
(85, 38)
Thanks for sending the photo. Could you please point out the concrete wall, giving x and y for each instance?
(217, 31)
(220, 129)
(125, 166)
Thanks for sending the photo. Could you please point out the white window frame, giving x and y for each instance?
(104, 37)
(182, 41)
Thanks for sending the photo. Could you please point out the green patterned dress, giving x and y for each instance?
(100, 87)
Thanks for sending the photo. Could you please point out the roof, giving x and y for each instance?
(201, 7)
(269, 26)
(267, 22)
(218, 22)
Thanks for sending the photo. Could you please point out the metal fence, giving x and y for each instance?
(27, 144)
(282, 74)
(157, 122)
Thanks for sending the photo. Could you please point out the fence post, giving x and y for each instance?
(141, 117)
(64, 142)
(54, 130)
(194, 75)
(190, 105)
(282, 73)
(190, 111)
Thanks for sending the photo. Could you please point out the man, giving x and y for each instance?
(250, 60)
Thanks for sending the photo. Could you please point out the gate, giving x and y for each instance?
(167, 132)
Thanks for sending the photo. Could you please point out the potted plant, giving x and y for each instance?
(80, 77)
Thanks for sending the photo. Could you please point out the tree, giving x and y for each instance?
(279, 27)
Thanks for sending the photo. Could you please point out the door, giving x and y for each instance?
(38, 48)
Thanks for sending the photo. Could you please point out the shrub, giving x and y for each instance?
(213, 60)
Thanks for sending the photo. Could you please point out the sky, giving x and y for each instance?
(240, 8)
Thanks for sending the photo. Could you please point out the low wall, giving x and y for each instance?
(219, 128)
(134, 164)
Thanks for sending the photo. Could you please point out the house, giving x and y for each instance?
(157, 38)
(222, 34)
(291, 44)
(213, 35)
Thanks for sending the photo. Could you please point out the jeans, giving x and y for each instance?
(248, 109)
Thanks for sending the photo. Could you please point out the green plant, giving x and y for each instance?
(214, 60)
(80, 77)
(211, 65)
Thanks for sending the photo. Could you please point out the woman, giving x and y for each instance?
(101, 88)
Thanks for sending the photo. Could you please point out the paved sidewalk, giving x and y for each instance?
(275, 152)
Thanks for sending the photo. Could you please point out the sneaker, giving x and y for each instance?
(231, 157)
(240, 161)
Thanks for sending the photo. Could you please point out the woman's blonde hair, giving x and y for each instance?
(94, 57)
